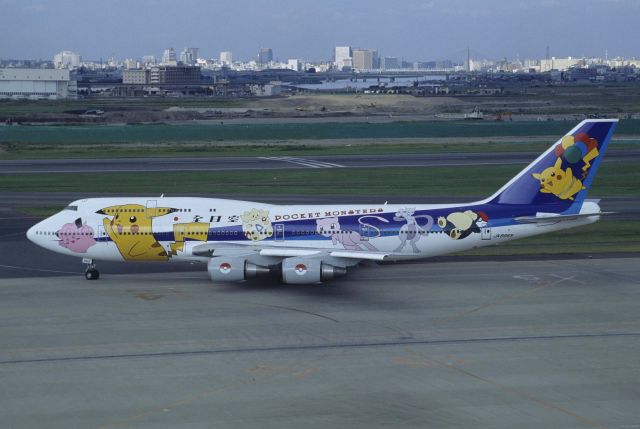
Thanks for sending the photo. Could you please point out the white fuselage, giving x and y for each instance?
(168, 229)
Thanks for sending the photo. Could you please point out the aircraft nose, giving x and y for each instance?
(31, 234)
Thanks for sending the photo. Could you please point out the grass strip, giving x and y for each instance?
(605, 236)
(228, 132)
(615, 179)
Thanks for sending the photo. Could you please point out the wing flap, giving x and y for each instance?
(226, 249)
(364, 255)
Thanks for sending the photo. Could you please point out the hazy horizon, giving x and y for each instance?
(414, 30)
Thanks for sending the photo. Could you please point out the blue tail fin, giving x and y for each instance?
(560, 178)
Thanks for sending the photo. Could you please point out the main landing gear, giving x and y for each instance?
(91, 273)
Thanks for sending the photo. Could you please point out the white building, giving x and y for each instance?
(266, 90)
(148, 60)
(66, 60)
(36, 84)
(295, 64)
(169, 57)
(558, 64)
(343, 57)
(131, 63)
(226, 58)
(137, 77)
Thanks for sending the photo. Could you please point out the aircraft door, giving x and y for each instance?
(486, 233)
(279, 232)
(366, 232)
(152, 204)
(101, 233)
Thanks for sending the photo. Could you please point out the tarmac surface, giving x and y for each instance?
(499, 343)
(278, 162)
(528, 344)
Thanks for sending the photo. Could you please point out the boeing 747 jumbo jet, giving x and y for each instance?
(313, 243)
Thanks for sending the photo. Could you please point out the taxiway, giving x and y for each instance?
(527, 344)
(278, 162)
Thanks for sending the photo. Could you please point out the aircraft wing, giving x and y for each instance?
(236, 249)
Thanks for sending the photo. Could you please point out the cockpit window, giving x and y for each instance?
(72, 208)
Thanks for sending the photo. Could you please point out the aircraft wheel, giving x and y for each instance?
(92, 274)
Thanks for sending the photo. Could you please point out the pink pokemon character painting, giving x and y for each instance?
(77, 237)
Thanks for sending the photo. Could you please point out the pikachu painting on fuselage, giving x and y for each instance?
(130, 228)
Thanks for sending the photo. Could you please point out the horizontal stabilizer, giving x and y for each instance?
(554, 217)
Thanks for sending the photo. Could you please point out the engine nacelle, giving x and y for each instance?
(309, 270)
(233, 269)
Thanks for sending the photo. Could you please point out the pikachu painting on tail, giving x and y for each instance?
(576, 153)
(561, 183)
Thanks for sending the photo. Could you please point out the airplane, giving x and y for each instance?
(306, 244)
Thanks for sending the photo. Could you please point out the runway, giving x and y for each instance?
(476, 344)
(51, 166)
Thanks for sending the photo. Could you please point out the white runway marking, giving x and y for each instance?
(13, 267)
(312, 163)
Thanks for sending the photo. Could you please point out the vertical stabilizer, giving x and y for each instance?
(560, 178)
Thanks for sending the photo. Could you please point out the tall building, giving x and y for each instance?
(365, 59)
(169, 56)
(36, 84)
(390, 63)
(189, 56)
(265, 55)
(66, 60)
(149, 60)
(343, 57)
(226, 58)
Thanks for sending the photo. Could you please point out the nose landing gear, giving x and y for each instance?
(91, 273)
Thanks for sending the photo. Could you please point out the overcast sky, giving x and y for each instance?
(309, 29)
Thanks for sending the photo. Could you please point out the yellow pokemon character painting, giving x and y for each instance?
(130, 229)
(562, 183)
(577, 152)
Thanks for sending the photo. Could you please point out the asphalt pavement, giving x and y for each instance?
(232, 163)
(529, 344)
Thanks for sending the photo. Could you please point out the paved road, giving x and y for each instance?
(278, 163)
(531, 344)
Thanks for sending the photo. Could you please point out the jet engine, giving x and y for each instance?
(309, 270)
(234, 269)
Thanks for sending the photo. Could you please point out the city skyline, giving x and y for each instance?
(417, 30)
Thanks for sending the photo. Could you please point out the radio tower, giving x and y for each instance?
(468, 59)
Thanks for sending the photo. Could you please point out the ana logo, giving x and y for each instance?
(225, 268)
(301, 269)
